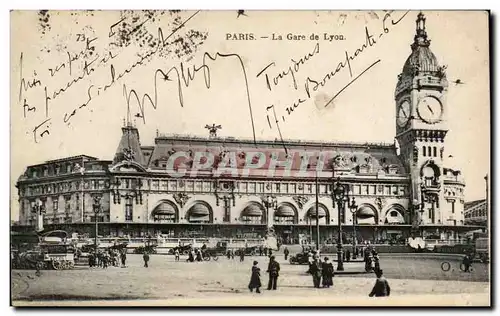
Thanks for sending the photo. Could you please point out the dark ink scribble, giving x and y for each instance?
(241, 12)
(184, 78)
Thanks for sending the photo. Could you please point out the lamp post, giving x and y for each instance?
(354, 210)
(269, 202)
(97, 209)
(38, 209)
(340, 196)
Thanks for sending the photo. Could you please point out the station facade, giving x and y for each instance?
(185, 186)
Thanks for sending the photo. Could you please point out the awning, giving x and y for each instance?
(252, 210)
(198, 210)
(164, 209)
(365, 212)
(284, 211)
(312, 212)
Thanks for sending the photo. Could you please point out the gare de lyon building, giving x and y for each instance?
(398, 192)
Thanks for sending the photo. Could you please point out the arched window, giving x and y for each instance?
(285, 215)
(165, 212)
(253, 214)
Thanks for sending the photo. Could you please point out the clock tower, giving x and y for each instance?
(421, 113)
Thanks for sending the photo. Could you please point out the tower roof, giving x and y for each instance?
(421, 59)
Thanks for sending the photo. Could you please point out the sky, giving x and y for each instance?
(363, 112)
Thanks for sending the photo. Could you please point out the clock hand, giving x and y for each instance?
(430, 109)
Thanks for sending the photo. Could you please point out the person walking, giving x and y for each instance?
(145, 257)
(467, 263)
(273, 269)
(327, 273)
(242, 255)
(123, 258)
(199, 257)
(286, 252)
(255, 278)
(316, 272)
(381, 287)
(177, 255)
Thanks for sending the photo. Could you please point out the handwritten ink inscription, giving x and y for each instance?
(96, 63)
(312, 85)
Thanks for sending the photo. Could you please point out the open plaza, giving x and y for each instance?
(225, 282)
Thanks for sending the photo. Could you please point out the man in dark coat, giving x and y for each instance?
(255, 278)
(286, 252)
(327, 273)
(467, 263)
(242, 255)
(123, 258)
(315, 270)
(381, 287)
(273, 269)
(145, 257)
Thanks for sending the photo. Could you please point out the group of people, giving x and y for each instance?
(322, 273)
(273, 270)
(107, 257)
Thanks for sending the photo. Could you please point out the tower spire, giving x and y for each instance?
(421, 34)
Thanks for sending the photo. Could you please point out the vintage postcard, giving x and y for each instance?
(250, 158)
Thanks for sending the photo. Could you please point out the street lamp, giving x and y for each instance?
(341, 197)
(38, 209)
(97, 209)
(354, 210)
(269, 202)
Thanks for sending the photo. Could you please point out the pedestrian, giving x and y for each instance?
(190, 257)
(316, 271)
(467, 263)
(242, 255)
(255, 278)
(260, 250)
(381, 287)
(145, 257)
(376, 260)
(177, 255)
(327, 273)
(270, 252)
(198, 255)
(105, 260)
(286, 252)
(347, 255)
(228, 254)
(232, 254)
(123, 258)
(273, 269)
(91, 260)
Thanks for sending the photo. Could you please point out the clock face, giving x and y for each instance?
(430, 110)
(403, 114)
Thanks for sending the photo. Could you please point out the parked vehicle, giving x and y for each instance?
(482, 249)
(300, 258)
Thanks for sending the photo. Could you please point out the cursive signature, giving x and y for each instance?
(184, 76)
(312, 85)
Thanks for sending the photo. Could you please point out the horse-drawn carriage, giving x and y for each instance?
(150, 249)
(184, 249)
(53, 251)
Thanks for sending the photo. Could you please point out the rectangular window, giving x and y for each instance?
(55, 205)
(453, 207)
(277, 187)
(129, 209)
(373, 189)
(387, 190)
(309, 188)
(364, 190)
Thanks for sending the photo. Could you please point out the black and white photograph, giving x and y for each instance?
(250, 158)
